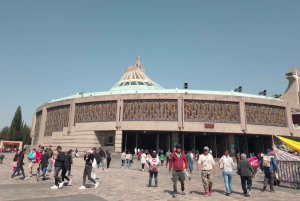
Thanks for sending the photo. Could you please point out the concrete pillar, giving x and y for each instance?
(175, 138)
(157, 143)
(243, 116)
(231, 141)
(32, 131)
(71, 117)
(118, 142)
(42, 126)
(169, 141)
(136, 140)
(289, 119)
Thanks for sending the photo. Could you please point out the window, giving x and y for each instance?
(110, 140)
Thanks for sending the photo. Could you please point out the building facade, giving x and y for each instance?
(137, 112)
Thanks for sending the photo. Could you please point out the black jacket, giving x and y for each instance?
(20, 159)
(97, 158)
(60, 160)
(68, 162)
(245, 169)
(89, 159)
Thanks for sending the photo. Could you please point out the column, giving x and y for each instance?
(32, 131)
(42, 126)
(169, 141)
(136, 140)
(157, 143)
(230, 142)
(118, 142)
(175, 138)
(243, 116)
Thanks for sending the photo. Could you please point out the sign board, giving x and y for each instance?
(209, 125)
(232, 148)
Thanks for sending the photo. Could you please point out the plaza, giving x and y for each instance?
(128, 184)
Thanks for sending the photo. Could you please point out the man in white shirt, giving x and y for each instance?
(208, 168)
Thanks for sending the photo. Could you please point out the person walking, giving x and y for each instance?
(123, 159)
(96, 162)
(168, 154)
(238, 158)
(226, 163)
(128, 160)
(20, 164)
(269, 168)
(31, 160)
(246, 173)
(161, 158)
(153, 170)
(66, 168)
(143, 160)
(50, 164)
(102, 157)
(58, 166)
(208, 168)
(108, 158)
(43, 164)
(88, 158)
(190, 160)
(176, 166)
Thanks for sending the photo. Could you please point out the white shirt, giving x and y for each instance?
(206, 162)
(228, 163)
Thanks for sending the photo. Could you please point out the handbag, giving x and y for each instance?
(221, 164)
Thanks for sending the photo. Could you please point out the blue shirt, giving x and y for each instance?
(273, 165)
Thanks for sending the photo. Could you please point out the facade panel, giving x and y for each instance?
(37, 127)
(211, 111)
(57, 118)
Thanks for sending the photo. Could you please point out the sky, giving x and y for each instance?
(53, 49)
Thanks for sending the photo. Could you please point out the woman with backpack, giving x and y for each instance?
(153, 170)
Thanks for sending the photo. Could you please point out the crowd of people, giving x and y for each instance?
(179, 164)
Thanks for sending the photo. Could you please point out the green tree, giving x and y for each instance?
(14, 132)
(26, 135)
(4, 133)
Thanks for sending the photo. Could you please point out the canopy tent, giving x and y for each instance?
(290, 143)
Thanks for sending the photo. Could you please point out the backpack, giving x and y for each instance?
(266, 161)
(153, 165)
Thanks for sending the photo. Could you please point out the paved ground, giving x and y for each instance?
(124, 184)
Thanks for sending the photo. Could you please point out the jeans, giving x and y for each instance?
(21, 168)
(168, 160)
(191, 166)
(128, 163)
(87, 172)
(123, 163)
(227, 180)
(55, 175)
(269, 176)
(63, 175)
(178, 175)
(102, 161)
(151, 174)
(69, 171)
(248, 180)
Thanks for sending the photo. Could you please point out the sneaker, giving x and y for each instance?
(190, 178)
(206, 193)
(26, 178)
(96, 185)
(54, 187)
(264, 188)
(82, 188)
(248, 192)
(156, 187)
(60, 185)
(69, 183)
(183, 193)
(30, 175)
(227, 194)
(37, 178)
(10, 179)
(149, 186)
(210, 193)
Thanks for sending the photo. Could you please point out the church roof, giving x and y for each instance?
(135, 79)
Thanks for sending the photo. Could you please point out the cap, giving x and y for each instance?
(206, 148)
(90, 151)
(178, 146)
(58, 147)
(94, 148)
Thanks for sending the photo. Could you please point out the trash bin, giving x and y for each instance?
(1, 158)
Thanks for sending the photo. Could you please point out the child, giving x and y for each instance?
(14, 163)
(162, 158)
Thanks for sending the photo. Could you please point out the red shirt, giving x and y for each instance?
(177, 163)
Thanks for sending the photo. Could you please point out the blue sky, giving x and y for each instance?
(52, 49)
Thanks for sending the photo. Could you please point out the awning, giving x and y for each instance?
(290, 143)
(11, 143)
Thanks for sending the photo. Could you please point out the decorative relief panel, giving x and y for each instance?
(211, 111)
(57, 118)
(150, 110)
(37, 127)
(95, 112)
(266, 115)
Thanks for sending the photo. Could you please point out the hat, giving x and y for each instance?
(58, 147)
(90, 151)
(94, 148)
(206, 148)
(178, 146)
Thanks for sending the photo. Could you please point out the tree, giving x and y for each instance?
(26, 135)
(4, 133)
(14, 132)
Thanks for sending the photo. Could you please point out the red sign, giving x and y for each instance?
(11, 143)
(208, 125)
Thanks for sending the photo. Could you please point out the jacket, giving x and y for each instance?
(97, 158)
(20, 159)
(273, 165)
(60, 160)
(177, 163)
(245, 169)
(89, 159)
(123, 156)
